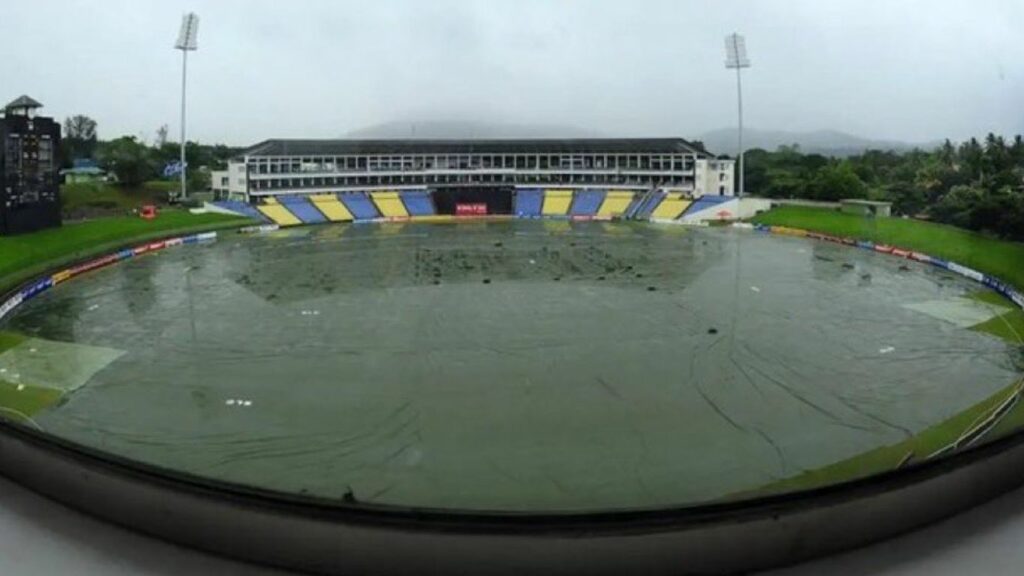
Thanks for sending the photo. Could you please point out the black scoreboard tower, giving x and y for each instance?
(29, 169)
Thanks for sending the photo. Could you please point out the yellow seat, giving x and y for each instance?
(389, 204)
(671, 207)
(278, 213)
(332, 208)
(556, 202)
(615, 203)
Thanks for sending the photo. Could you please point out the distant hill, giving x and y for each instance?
(445, 129)
(723, 141)
(828, 142)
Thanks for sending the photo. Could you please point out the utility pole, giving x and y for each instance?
(736, 58)
(186, 43)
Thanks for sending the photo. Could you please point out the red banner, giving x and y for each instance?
(477, 209)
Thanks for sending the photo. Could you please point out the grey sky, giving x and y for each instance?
(910, 70)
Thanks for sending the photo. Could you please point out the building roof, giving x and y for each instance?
(23, 101)
(425, 146)
(90, 170)
(84, 166)
(84, 163)
(860, 202)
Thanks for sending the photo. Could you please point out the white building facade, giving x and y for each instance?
(285, 167)
(231, 184)
(714, 177)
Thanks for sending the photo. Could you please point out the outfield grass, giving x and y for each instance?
(27, 255)
(998, 258)
(163, 186)
(9, 340)
(1009, 325)
(90, 197)
(21, 401)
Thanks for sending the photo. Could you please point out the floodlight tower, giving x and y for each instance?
(186, 43)
(736, 57)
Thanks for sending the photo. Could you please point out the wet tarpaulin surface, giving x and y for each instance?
(511, 366)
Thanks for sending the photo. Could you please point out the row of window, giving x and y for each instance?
(295, 165)
(224, 182)
(28, 154)
(30, 192)
(434, 179)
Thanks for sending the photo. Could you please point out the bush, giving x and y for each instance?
(835, 182)
(129, 160)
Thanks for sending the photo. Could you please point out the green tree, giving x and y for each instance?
(813, 162)
(972, 156)
(1017, 151)
(947, 153)
(130, 161)
(198, 180)
(837, 181)
(79, 140)
(786, 183)
(955, 206)
(755, 168)
(905, 197)
(196, 155)
(975, 185)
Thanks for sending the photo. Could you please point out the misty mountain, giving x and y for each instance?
(445, 129)
(722, 141)
(828, 142)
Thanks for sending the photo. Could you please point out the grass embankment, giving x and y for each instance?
(998, 258)
(23, 257)
(28, 255)
(92, 199)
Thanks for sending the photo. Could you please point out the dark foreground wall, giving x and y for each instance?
(338, 538)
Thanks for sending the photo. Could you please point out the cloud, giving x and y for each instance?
(912, 70)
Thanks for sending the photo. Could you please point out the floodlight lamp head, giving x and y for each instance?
(736, 52)
(188, 33)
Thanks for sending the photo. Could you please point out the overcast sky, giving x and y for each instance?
(907, 70)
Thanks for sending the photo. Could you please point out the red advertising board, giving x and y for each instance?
(475, 209)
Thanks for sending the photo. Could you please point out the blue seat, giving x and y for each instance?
(418, 203)
(303, 209)
(240, 208)
(359, 205)
(587, 202)
(647, 205)
(705, 202)
(529, 202)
